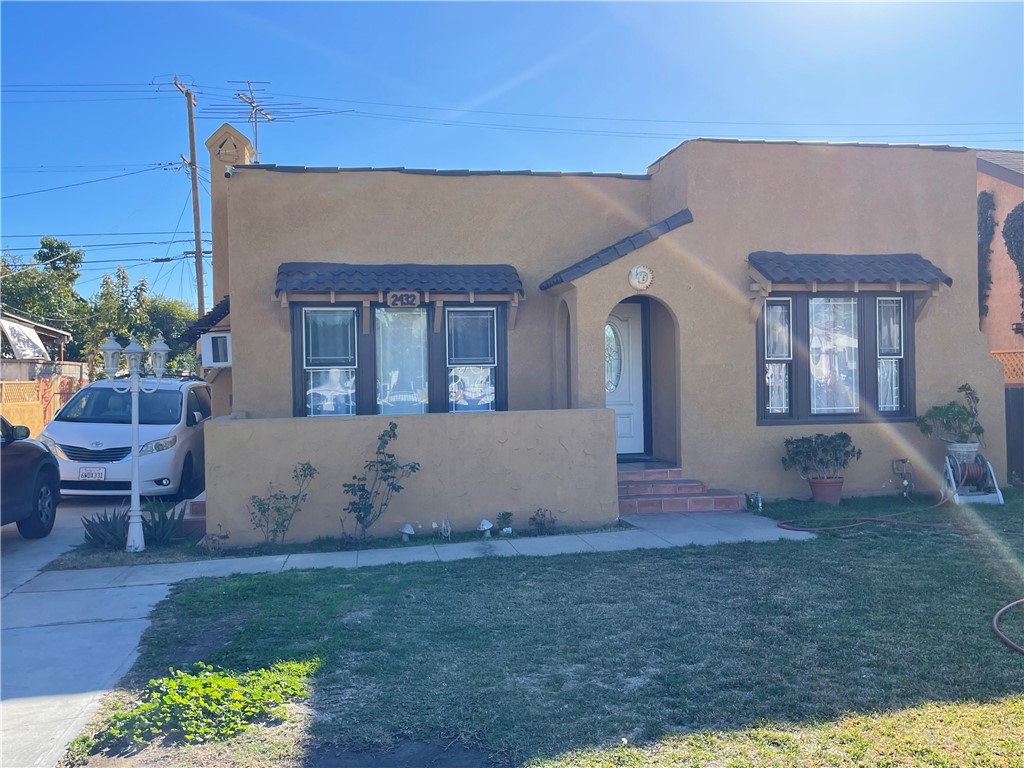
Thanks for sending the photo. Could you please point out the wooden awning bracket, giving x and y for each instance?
(512, 310)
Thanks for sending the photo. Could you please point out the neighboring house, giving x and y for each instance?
(526, 329)
(1001, 173)
(32, 386)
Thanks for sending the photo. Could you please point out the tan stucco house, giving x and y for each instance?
(1001, 174)
(527, 330)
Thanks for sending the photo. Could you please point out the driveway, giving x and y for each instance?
(61, 650)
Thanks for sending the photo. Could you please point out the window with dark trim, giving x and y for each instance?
(835, 358)
(426, 359)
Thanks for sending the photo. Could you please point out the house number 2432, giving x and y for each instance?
(403, 299)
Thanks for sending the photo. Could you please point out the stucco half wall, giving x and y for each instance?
(472, 466)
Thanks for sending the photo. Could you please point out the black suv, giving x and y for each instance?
(30, 485)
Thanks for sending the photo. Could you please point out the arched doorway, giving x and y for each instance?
(642, 378)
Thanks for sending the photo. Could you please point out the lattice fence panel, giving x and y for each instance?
(18, 391)
(1013, 366)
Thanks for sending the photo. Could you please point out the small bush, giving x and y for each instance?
(372, 492)
(543, 521)
(504, 520)
(272, 514)
(205, 704)
(160, 525)
(107, 530)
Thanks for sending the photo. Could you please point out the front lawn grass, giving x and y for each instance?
(870, 646)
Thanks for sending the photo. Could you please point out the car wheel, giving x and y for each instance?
(187, 480)
(44, 508)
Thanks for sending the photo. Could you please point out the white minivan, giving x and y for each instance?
(91, 437)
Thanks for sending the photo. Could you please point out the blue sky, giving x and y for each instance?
(571, 87)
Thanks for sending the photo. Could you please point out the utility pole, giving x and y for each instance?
(190, 100)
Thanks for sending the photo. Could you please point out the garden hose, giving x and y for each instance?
(788, 525)
(999, 633)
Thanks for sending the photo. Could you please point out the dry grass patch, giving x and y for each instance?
(868, 647)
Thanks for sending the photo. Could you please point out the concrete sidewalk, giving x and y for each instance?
(69, 636)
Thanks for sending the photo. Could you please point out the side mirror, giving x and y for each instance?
(194, 418)
(19, 433)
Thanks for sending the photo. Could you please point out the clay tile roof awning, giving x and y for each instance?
(616, 251)
(325, 277)
(219, 311)
(807, 268)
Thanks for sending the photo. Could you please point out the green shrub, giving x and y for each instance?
(160, 525)
(957, 422)
(820, 456)
(986, 231)
(504, 520)
(372, 492)
(107, 530)
(272, 514)
(205, 704)
(1013, 236)
(543, 521)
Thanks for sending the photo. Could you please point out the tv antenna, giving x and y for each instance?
(252, 104)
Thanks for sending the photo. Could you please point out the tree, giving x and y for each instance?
(171, 317)
(128, 310)
(986, 231)
(1013, 235)
(118, 308)
(43, 289)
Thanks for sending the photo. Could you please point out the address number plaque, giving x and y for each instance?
(403, 298)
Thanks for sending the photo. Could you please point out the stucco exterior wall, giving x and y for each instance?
(744, 197)
(802, 199)
(25, 415)
(538, 224)
(473, 466)
(1004, 297)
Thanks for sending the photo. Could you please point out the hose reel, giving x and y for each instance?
(970, 482)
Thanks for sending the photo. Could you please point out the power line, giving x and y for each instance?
(90, 87)
(92, 262)
(78, 85)
(97, 168)
(99, 234)
(630, 119)
(656, 135)
(111, 245)
(82, 183)
(81, 101)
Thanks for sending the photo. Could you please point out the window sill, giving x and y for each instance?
(857, 418)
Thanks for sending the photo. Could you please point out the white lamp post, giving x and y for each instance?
(158, 352)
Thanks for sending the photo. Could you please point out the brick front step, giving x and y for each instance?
(661, 473)
(632, 504)
(194, 523)
(660, 487)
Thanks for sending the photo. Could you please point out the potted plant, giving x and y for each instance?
(957, 424)
(820, 460)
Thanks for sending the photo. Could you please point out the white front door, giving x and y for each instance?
(624, 376)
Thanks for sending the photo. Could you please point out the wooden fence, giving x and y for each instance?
(1013, 380)
(34, 403)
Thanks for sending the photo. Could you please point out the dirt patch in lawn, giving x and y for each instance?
(406, 754)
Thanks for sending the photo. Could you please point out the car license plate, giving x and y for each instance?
(92, 473)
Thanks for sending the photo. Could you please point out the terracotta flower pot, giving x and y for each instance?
(826, 490)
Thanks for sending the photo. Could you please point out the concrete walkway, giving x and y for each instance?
(69, 636)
